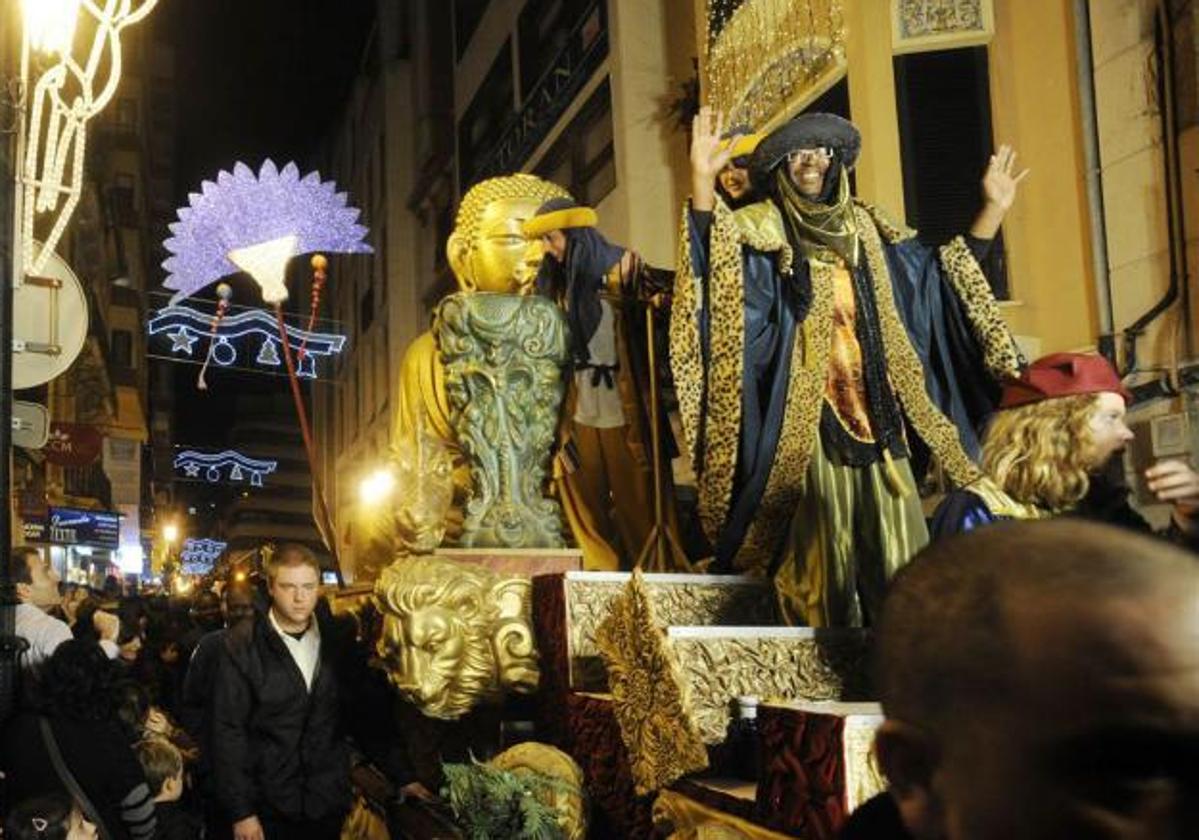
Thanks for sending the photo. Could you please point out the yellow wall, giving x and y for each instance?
(1035, 108)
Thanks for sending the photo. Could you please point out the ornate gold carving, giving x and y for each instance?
(678, 817)
(565, 795)
(648, 699)
(720, 602)
(765, 59)
(826, 665)
(455, 635)
(863, 778)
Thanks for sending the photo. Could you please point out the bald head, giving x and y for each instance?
(1042, 663)
(956, 617)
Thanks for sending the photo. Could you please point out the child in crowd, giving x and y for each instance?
(163, 765)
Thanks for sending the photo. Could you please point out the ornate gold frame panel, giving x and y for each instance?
(719, 664)
(762, 61)
(921, 25)
(649, 699)
(678, 599)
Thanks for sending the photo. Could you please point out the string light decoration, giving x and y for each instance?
(200, 555)
(215, 464)
(71, 88)
(185, 327)
(766, 59)
(257, 223)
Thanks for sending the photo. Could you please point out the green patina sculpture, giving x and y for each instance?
(503, 356)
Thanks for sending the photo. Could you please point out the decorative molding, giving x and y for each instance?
(648, 697)
(717, 665)
(677, 599)
(923, 25)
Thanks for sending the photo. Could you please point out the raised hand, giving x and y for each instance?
(999, 184)
(999, 191)
(709, 155)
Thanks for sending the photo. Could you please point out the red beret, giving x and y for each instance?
(1063, 375)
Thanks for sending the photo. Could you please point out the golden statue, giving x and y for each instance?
(455, 634)
(488, 252)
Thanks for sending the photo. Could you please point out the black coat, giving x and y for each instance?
(277, 748)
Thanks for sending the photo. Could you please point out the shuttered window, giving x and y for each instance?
(944, 103)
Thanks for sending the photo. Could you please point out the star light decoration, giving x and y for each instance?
(256, 224)
(200, 555)
(185, 326)
(214, 465)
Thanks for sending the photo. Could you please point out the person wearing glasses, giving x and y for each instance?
(821, 354)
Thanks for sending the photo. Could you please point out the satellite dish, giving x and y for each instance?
(49, 324)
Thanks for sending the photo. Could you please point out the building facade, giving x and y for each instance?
(1098, 98)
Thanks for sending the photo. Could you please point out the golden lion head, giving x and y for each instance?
(454, 634)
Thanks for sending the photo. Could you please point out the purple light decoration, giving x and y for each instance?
(242, 210)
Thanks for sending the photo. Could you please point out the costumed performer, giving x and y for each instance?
(1049, 449)
(819, 350)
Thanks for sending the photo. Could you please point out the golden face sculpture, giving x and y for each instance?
(455, 634)
(487, 250)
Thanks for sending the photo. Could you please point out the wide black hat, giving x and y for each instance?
(807, 131)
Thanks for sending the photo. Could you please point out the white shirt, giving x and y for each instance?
(598, 405)
(45, 633)
(305, 651)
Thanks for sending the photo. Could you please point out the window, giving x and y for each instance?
(584, 159)
(467, 14)
(122, 349)
(487, 116)
(122, 208)
(543, 30)
(944, 103)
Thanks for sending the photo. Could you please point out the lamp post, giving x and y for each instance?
(43, 25)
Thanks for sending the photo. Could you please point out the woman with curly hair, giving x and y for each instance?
(1046, 450)
(76, 714)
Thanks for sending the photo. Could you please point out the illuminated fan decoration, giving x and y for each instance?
(185, 327)
(257, 223)
(200, 555)
(218, 465)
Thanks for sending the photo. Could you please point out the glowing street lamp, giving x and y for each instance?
(170, 533)
(50, 24)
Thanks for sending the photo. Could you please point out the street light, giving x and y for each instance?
(377, 487)
(50, 24)
(170, 533)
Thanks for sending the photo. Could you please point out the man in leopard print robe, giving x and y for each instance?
(820, 353)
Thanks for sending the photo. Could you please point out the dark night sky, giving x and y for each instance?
(256, 79)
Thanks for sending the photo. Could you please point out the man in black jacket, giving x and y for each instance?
(280, 763)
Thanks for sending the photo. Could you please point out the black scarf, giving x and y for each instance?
(578, 284)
